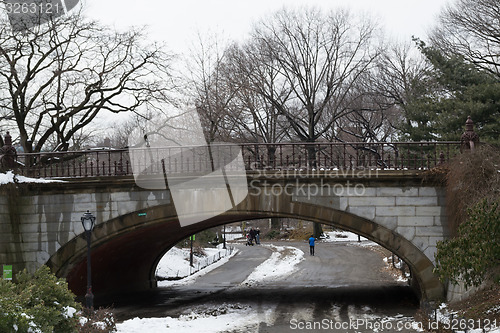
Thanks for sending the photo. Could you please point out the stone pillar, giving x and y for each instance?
(469, 139)
(8, 154)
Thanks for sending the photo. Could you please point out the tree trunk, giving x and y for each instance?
(311, 156)
(271, 156)
(318, 230)
(275, 223)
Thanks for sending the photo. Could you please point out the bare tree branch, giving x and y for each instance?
(470, 28)
(320, 57)
(59, 77)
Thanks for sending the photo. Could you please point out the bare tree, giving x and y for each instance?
(259, 84)
(211, 92)
(371, 119)
(58, 77)
(320, 57)
(470, 28)
(401, 81)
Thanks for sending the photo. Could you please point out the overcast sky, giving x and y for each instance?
(177, 22)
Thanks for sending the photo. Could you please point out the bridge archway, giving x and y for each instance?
(127, 249)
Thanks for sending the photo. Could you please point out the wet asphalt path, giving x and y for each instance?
(341, 282)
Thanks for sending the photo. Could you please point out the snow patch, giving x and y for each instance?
(192, 278)
(69, 312)
(444, 316)
(281, 263)
(234, 318)
(10, 177)
(342, 236)
(175, 263)
(348, 237)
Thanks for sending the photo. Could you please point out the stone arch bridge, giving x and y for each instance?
(381, 191)
(401, 210)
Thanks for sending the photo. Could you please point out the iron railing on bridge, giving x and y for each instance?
(255, 156)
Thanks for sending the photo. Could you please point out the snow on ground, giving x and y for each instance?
(342, 236)
(175, 263)
(222, 318)
(234, 318)
(397, 276)
(282, 262)
(232, 233)
(10, 177)
(352, 239)
(238, 318)
(233, 236)
(448, 319)
(477, 330)
(348, 237)
(369, 318)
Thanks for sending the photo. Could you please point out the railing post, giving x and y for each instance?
(441, 158)
(97, 163)
(8, 154)
(469, 138)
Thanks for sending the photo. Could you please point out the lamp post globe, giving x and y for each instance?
(88, 222)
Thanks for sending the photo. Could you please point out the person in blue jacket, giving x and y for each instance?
(311, 244)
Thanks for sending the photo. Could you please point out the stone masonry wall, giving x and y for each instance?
(46, 222)
(416, 213)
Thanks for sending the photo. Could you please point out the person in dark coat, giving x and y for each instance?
(252, 234)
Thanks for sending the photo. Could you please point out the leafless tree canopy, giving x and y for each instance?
(56, 79)
(471, 28)
(259, 85)
(208, 86)
(296, 78)
(320, 57)
(302, 75)
(399, 81)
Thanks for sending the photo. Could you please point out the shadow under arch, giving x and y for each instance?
(127, 249)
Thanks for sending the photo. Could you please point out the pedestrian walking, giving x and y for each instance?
(257, 236)
(252, 234)
(311, 244)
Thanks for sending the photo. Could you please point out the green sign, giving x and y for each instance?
(142, 214)
(7, 272)
(192, 237)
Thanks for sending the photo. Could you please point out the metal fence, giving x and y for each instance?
(256, 156)
(201, 264)
(207, 261)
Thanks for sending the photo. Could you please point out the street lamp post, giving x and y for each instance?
(88, 221)
(224, 246)
(191, 252)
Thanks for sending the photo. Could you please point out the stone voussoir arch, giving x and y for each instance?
(145, 235)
